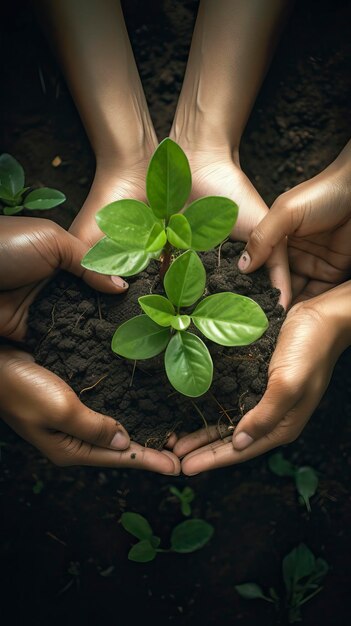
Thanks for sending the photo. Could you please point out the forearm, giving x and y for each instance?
(231, 48)
(92, 43)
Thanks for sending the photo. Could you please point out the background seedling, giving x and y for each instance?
(187, 536)
(185, 497)
(13, 193)
(306, 478)
(302, 575)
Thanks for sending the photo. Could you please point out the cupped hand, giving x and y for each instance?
(312, 338)
(42, 409)
(112, 181)
(316, 216)
(214, 173)
(31, 251)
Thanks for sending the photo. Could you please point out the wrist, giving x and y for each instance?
(132, 150)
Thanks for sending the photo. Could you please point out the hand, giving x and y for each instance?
(112, 181)
(35, 402)
(311, 340)
(316, 216)
(32, 250)
(215, 173)
(43, 410)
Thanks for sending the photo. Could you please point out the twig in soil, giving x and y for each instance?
(202, 417)
(99, 306)
(42, 81)
(241, 405)
(92, 386)
(132, 376)
(80, 317)
(49, 534)
(219, 253)
(224, 413)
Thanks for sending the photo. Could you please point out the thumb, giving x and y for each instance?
(72, 251)
(273, 228)
(97, 429)
(265, 417)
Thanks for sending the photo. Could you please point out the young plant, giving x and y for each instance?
(185, 497)
(306, 478)
(302, 575)
(13, 193)
(136, 233)
(186, 537)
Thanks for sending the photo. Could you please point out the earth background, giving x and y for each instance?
(63, 551)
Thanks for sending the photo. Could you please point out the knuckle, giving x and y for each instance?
(256, 238)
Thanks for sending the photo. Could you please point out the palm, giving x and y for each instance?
(224, 178)
(320, 262)
(108, 186)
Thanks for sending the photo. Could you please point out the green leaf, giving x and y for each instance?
(188, 364)
(157, 238)
(158, 308)
(108, 257)
(298, 564)
(191, 535)
(130, 223)
(140, 338)
(230, 319)
(12, 210)
(280, 466)
(155, 541)
(211, 220)
(11, 176)
(142, 552)
(44, 198)
(168, 179)
(185, 508)
(179, 232)
(251, 591)
(136, 525)
(306, 481)
(181, 322)
(188, 494)
(185, 279)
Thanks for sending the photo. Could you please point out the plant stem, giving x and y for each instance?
(165, 260)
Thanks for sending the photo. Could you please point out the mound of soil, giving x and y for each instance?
(70, 332)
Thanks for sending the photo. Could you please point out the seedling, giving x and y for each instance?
(185, 497)
(15, 196)
(186, 537)
(136, 233)
(302, 575)
(306, 479)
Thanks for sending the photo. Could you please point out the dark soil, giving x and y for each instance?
(63, 552)
(70, 332)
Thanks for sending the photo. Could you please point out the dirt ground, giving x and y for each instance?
(63, 550)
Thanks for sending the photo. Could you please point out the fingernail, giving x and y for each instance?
(244, 261)
(242, 441)
(120, 441)
(119, 282)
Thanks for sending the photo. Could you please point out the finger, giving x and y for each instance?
(271, 230)
(95, 428)
(195, 440)
(278, 267)
(66, 451)
(171, 441)
(274, 405)
(72, 251)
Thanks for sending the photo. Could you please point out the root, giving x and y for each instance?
(94, 385)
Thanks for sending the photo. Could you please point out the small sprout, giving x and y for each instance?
(302, 575)
(13, 193)
(306, 478)
(185, 497)
(188, 536)
(38, 487)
